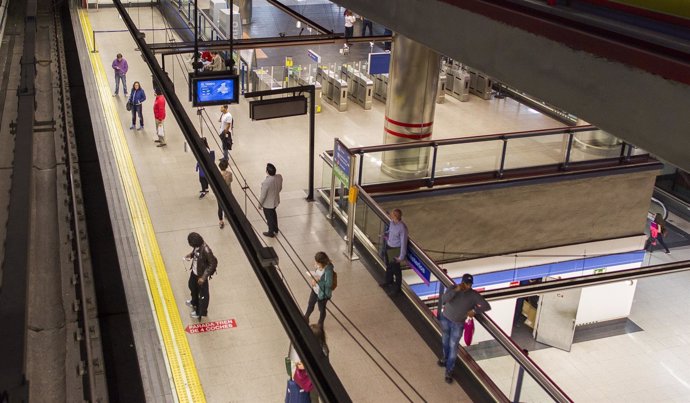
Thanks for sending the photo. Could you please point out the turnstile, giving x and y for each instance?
(381, 87)
(441, 92)
(262, 80)
(317, 91)
(480, 84)
(338, 92)
(458, 84)
(361, 87)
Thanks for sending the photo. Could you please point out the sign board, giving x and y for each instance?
(418, 266)
(277, 108)
(379, 63)
(288, 61)
(210, 326)
(314, 56)
(341, 162)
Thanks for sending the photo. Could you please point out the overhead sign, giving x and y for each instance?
(341, 162)
(277, 107)
(379, 63)
(418, 266)
(314, 56)
(210, 326)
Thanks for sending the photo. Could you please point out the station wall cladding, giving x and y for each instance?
(526, 217)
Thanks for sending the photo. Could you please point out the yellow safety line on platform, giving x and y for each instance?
(179, 355)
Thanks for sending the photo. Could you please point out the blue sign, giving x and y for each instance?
(341, 156)
(418, 266)
(379, 63)
(314, 56)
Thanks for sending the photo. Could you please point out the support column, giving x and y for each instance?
(410, 106)
(245, 11)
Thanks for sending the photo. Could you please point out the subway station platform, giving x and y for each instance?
(375, 351)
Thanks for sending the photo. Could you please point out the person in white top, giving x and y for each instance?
(225, 130)
(349, 24)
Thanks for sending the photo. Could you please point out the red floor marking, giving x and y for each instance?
(210, 326)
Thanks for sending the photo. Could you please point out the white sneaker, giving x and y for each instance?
(194, 315)
(188, 303)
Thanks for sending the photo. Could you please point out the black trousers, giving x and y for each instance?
(393, 269)
(136, 109)
(313, 300)
(365, 25)
(660, 239)
(200, 294)
(204, 183)
(271, 220)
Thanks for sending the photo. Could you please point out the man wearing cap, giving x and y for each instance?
(459, 303)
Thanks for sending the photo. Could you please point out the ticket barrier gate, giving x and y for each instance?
(361, 87)
(338, 92)
(262, 80)
(458, 84)
(441, 93)
(480, 84)
(317, 91)
(381, 87)
(326, 84)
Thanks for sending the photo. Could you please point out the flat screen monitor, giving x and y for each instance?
(215, 90)
(379, 63)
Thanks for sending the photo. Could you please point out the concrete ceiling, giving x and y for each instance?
(636, 104)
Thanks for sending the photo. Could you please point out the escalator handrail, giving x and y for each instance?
(544, 381)
(586, 281)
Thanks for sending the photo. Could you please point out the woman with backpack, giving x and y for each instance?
(322, 285)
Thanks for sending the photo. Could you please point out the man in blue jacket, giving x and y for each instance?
(459, 303)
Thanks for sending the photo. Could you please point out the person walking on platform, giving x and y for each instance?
(203, 267)
(321, 286)
(120, 68)
(350, 20)
(202, 176)
(227, 176)
(225, 130)
(159, 115)
(657, 231)
(366, 23)
(396, 250)
(136, 98)
(270, 198)
(459, 303)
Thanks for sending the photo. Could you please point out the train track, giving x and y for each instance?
(50, 336)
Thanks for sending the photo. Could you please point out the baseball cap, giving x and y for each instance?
(467, 278)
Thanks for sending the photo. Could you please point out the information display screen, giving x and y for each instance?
(215, 90)
(379, 63)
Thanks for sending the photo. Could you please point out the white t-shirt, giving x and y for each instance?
(225, 119)
(350, 20)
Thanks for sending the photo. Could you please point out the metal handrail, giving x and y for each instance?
(496, 332)
(470, 139)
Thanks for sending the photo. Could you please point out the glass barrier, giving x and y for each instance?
(491, 349)
(468, 158)
(536, 151)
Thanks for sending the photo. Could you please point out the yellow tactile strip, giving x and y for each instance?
(177, 351)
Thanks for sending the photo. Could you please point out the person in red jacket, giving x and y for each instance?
(159, 115)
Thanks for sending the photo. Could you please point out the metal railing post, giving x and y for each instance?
(432, 177)
(93, 33)
(361, 167)
(503, 157)
(568, 150)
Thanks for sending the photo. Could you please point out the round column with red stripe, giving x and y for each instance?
(410, 106)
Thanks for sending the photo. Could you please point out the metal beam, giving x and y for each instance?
(167, 48)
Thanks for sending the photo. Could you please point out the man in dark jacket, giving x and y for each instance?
(459, 303)
(204, 265)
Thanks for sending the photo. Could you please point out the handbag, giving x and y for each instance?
(468, 331)
(129, 105)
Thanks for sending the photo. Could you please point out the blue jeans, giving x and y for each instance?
(452, 332)
(117, 83)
